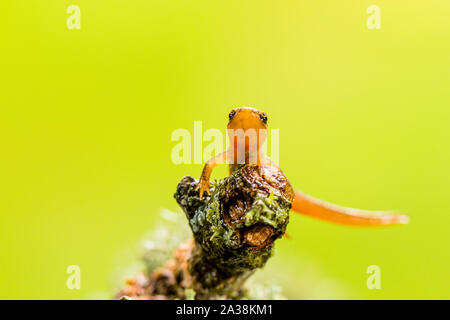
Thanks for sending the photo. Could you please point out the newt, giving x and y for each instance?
(247, 131)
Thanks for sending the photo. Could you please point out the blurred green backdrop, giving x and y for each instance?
(86, 118)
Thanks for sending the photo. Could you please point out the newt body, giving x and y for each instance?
(247, 131)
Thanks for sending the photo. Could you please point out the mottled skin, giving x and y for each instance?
(247, 133)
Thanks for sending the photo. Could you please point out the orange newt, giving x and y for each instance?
(247, 131)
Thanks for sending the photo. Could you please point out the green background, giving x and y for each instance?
(86, 118)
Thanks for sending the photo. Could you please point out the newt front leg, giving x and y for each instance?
(203, 184)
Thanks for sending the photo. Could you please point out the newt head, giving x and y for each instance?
(247, 118)
(247, 128)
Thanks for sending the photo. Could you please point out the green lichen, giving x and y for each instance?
(267, 211)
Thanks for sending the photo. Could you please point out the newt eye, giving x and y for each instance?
(231, 115)
(263, 117)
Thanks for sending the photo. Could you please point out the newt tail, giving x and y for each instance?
(323, 210)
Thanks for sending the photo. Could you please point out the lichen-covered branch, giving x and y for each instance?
(234, 230)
